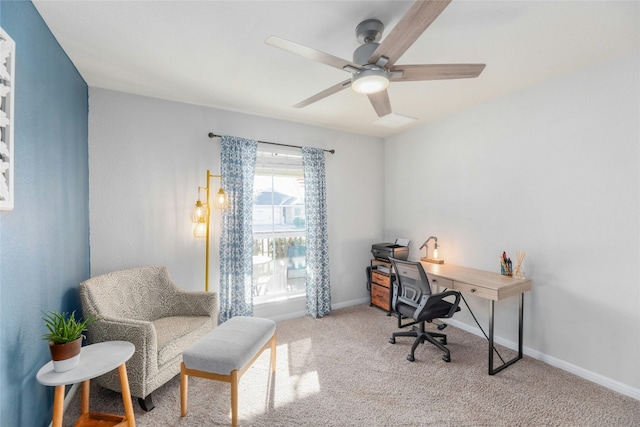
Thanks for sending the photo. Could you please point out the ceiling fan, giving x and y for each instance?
(373, 66)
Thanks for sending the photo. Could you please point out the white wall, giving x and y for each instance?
(148, 156)
(553, 171)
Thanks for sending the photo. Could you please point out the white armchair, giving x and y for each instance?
(145, 307)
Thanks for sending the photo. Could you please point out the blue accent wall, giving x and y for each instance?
(44, 240)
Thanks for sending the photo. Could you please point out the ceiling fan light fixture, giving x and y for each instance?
(370, 80)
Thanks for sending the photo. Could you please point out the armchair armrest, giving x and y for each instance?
(140, 333)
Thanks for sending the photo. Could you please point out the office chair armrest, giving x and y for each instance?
(437, 298)
(394, 296)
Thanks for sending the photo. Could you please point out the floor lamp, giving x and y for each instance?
(201, 216)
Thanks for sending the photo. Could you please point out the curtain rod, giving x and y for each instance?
(213, 135)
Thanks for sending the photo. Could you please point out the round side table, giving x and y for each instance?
(95, 360)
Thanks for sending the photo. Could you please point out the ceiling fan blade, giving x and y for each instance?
(313, 54)
(380, 102)
(412, 73)
(321, 95)
(407, 31)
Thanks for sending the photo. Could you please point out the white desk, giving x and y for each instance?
(95, 360)
(483, 284)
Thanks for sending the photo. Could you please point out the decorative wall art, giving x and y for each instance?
(7, 85)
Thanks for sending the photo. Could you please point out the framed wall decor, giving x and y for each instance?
(7, 86)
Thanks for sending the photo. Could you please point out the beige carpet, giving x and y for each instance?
(341, 371)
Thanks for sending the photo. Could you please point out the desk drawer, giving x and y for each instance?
(476, 290)
(440, 282)
(381, 279)
(380, 296)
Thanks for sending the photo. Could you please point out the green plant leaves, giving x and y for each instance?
(64, 327)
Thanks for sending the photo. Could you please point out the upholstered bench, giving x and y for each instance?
(225, 353)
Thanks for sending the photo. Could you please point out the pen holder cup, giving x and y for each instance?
(505, 271)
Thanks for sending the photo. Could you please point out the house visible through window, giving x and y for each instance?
(279, 266)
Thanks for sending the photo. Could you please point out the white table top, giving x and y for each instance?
(261, 259)
(95, 360)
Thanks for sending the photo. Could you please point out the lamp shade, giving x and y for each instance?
(221, 201)
(370, 80)
(200, 230)
(199, 213)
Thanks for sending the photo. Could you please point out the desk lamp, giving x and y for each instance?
(434, 259)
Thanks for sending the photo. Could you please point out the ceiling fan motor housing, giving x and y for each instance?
(371, 78)
(369, 31)
(362, 54)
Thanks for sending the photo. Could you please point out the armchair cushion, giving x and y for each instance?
(176, 333)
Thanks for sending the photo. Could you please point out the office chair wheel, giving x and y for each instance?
(446, 358)
(410, 358)
(392, 340)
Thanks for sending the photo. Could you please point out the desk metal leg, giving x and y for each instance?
(491, 314)
(520, 323)
(493, 371)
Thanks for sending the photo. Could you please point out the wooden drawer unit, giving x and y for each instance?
(381, 279)
(381, 296)
(381, 290)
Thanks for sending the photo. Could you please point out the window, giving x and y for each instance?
(279, 266)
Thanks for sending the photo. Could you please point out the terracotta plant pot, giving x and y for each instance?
(65, 356)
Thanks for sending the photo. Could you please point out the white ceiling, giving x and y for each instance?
(212, 53)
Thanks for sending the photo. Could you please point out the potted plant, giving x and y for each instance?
(64, 335)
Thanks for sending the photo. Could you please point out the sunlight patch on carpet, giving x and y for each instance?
(296, 369)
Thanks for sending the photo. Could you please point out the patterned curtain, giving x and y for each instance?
(317, 241)
(238, 160)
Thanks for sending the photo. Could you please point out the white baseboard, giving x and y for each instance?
(351, 303)
(288, 316)
(609, 383)
(299, 314)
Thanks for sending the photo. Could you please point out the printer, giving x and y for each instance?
(383, 251)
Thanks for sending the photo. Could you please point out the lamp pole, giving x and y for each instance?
(206, 256)
(202, 216)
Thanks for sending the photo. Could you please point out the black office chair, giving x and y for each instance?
(412, 298)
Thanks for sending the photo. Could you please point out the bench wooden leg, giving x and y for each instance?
(273, 353)
(184, 385)
(234, 398)
(233, 378)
